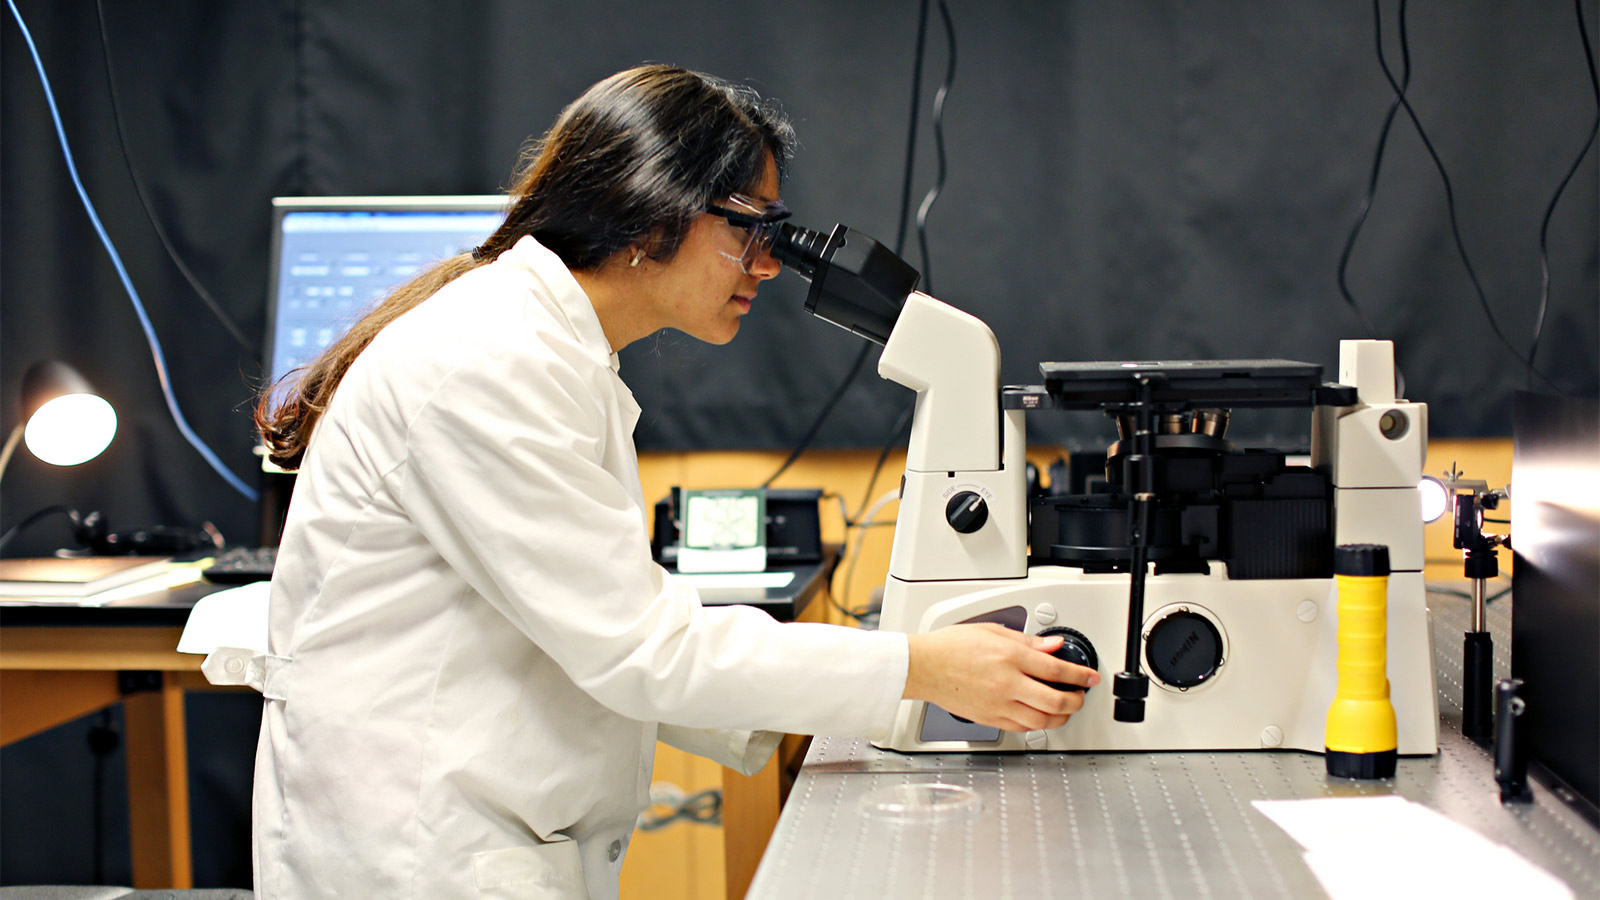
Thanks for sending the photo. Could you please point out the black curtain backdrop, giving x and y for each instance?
(1125, 180)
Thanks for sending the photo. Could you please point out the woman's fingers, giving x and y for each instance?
(996, 676)
(1045, 667)
(1048, 668)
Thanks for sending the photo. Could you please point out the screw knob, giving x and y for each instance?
(966, 512)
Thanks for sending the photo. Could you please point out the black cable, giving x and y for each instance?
(1544, 227)
(895, 434)
(904, 421)
(1372, 179)
(144, 200)
(156, 355)
(29, 519)
(833, 571)
(938, 143)
(911, 132)
(899, 250)
(1449, 197)
(854, 521)
(827, 409)
(833, 598)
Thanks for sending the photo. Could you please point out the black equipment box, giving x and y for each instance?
(794, 527)
(1555, 617)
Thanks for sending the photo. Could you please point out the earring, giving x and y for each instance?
(638, 254)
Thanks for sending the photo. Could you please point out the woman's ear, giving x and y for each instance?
(653, 245)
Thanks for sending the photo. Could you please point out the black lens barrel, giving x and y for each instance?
(799, 248)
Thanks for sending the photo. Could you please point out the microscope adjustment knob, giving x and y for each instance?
(966, 512)
(1075, 648)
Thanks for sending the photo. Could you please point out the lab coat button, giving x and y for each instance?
(614, 851)
(234, 665)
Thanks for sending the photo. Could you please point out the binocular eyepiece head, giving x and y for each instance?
(856, 282)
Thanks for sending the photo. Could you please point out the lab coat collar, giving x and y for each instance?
(573, 304)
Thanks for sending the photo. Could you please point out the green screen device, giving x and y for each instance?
(724, 531)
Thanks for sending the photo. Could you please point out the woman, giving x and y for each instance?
(471, 649)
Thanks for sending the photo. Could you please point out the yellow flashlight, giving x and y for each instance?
(1361, 740)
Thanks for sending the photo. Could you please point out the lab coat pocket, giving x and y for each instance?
(549, 871)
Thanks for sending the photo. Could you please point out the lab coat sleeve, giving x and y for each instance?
(514, 473)
(745, 752)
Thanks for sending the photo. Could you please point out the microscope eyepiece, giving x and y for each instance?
(856, 283)
(799, 248)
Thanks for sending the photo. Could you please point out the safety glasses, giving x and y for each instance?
(758, 219)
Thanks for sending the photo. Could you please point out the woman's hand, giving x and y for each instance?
(995, 676)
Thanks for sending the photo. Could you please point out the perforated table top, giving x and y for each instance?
(1135, 825)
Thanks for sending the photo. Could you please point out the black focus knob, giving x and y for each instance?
(966, 512)
(1075, 648)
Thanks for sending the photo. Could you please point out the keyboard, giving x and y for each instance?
(242, 565)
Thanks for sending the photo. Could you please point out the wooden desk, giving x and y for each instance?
(59, 663)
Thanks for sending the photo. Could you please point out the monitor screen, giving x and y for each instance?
(334, 258)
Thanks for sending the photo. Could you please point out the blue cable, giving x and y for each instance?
(122, 273)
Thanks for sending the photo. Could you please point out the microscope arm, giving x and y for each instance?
(952, 360)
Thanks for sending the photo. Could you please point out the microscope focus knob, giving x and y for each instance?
(1075, 648)
(966, 512)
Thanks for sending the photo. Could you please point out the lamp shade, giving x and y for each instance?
(67, 422)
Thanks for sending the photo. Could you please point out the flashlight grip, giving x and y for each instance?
(1361, 737)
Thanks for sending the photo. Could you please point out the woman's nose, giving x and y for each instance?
(766, 266)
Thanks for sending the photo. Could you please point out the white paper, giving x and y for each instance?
(724, 581)
(1388, 846)
(741, 560)
(236, 617)
(175, 577)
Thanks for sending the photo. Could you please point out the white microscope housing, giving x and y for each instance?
(1237, 637)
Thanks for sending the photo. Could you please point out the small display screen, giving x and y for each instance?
(724, 520)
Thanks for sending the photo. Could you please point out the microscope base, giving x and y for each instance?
(1233, 664)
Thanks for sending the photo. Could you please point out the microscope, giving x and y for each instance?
(1198, 581)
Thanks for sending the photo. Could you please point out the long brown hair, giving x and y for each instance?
(632, 161)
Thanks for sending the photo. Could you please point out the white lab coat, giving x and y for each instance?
(470, 646)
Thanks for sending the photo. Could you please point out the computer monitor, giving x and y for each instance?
(333, 258)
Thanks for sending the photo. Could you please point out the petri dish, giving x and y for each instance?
(925, 802)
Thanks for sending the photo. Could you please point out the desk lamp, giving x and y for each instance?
(64, 422)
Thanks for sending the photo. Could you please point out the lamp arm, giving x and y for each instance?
(11, 446)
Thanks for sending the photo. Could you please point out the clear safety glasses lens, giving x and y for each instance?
(760, 223)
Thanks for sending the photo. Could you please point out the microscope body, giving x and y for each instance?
(1236, 661)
